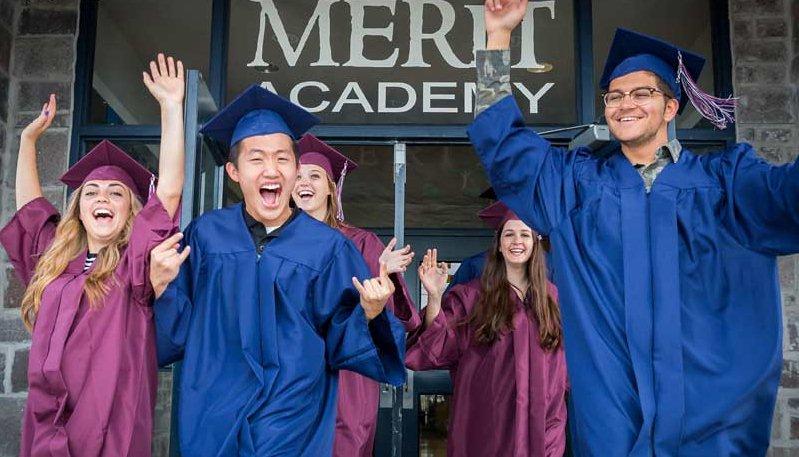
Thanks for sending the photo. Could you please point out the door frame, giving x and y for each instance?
(453, 246)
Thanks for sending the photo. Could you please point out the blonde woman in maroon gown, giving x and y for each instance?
(92, 373)
(318, 192)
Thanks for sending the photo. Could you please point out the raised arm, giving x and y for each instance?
(400, 303)
(433, 275)
(501, 17)
(528, 174)
(761, 200)
(165, 82)
(27, 183)
(437, 345)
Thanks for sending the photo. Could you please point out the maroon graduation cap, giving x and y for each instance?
(107, 161)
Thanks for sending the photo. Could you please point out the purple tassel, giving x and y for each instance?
(339, 190)
(719, 111)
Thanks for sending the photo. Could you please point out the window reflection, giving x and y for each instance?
(129, 35)
(433, 425)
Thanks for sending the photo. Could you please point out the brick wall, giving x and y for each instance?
(765, 47)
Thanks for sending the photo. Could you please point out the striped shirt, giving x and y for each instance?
(90, 258)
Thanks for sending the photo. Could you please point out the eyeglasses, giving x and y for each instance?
(640, 96)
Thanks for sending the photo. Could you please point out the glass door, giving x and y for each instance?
(437, 190)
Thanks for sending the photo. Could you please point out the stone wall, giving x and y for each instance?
(37, 54)
(765, 47)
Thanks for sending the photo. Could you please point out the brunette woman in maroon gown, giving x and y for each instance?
(500, 338)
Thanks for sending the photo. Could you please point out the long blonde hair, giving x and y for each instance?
(332, 205)
(70, 240)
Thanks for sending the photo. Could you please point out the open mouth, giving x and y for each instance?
(626, 119)
(305, 194)
(103, 215)
(516, 251)
(270, 193)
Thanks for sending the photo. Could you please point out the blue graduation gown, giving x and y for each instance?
(670, 300)
(262, 338)
(471, 267)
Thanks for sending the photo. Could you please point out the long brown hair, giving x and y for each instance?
(493, 313)
(70, 240)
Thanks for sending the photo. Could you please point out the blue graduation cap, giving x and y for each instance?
(677, 67)
(257, 111)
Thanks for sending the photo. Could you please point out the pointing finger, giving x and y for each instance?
(358, 286)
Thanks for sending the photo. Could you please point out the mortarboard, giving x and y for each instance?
(313, 151)
(678, 68)
(257, 111)
(107, 161)
(496, 214)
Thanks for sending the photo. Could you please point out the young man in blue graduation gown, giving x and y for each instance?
(665, 260)
(266, 310)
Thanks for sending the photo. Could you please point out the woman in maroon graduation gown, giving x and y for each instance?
(92, 375)
(500, 337)
(318, 193)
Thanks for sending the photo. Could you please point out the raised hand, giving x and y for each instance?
(396, 261)
(165, 83)
(433, 274)
(33, 130)
(374, 292)
(501, 17)
(165, 80)
(165, 262)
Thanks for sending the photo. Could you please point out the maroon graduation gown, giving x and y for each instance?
(359, 396)
(92, 373)
(509, 398)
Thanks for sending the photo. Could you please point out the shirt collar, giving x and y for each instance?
(673, 148)
(257, 229)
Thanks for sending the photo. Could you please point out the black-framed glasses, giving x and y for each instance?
(640, 96)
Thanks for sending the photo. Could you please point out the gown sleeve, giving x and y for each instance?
(150, 227)
(173, 309)
(28, 234)
(762, 210)
(375, 348)
(438, 346)
(529, 175)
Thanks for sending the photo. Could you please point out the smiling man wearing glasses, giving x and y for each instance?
(665, 260)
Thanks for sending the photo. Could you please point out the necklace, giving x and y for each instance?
(522, 293)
